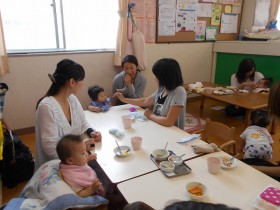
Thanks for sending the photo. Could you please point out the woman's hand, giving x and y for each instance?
(127, 80)
(120, 96)
(96, 135)
(148, 113)
(252, 85)
(89, 144)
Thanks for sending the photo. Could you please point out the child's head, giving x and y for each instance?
(264, 82)
(261, 118)
(71, 150)
(96, 93)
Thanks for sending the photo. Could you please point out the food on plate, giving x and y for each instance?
(198, 191)
(226, 161)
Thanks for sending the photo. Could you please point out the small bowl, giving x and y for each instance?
(196, 194)
(176, 160)
(160, 154)
(166, 166)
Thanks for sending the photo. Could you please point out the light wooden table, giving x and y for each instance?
(235, 187)
(154, 136)
(250, 101)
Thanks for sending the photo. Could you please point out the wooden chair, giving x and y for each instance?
(221, 133)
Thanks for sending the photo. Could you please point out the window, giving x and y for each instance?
(59, 25)
(278, 19)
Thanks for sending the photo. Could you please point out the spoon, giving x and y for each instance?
(162, 152)
(119, 147)
(231, 159)
(179, 157)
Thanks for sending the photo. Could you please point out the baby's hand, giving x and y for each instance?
(96, 186)
(92, 156)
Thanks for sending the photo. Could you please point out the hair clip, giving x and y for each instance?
(51, 78)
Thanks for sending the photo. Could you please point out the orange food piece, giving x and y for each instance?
(195, 190)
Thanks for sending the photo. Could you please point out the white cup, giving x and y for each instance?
(214, 164)
(136, 142)
(127, 121)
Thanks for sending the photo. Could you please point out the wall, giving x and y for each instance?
(229, 54)
(28, 79)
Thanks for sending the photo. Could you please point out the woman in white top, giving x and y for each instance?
(246, 78)
(60, 113)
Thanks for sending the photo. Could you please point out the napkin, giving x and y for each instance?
(208, 148)
(116, 132)
(189, 138)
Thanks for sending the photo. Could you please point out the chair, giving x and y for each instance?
(214, 132)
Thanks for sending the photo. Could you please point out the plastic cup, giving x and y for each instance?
(136, 142)
(208, 90)
(214, 165)
(127, 121)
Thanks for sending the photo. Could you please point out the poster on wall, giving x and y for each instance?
(216, 14)
(211, 32)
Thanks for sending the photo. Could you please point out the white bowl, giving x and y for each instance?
(176, 160)
(166, 166)
(160, 154)
(190, 186)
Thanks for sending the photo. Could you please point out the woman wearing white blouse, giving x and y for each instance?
(60, 113)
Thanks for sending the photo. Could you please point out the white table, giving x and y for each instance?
(235, 187)
(154, 136)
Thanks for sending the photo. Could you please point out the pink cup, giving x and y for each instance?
(127, 121)
(214, 164)
(136, 142)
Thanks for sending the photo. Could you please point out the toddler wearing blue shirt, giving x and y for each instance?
(99, 101)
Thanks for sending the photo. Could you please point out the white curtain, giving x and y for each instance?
(3, 61)
(274, 6)
(121, 46)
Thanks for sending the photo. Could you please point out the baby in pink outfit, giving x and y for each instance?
(74, 169)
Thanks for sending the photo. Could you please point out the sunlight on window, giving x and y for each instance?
(38, 25)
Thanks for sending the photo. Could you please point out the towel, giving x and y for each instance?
(208, 148)
(78, 175)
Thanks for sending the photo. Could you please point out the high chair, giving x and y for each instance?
(221, 133)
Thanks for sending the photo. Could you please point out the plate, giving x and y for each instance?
(125, 151)
(224, 161)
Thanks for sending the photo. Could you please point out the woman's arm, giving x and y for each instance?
(269, 170)
(169, 120)
(143, 102)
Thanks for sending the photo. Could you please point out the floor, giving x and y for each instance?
(192, 108)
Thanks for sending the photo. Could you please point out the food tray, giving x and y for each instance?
(179, 170)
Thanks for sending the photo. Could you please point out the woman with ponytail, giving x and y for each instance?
(59, 112)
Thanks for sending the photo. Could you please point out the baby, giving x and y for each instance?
(99, 101)
(263, 85)
(74, 169)
(257, 139)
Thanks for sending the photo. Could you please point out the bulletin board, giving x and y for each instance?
(189, 36)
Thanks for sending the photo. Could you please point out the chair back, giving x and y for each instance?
(218, 132)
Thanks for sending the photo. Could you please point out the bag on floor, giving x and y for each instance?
(17, 164)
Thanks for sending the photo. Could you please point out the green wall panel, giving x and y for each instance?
(227, 64)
